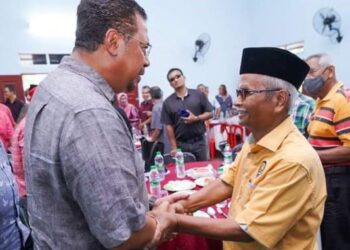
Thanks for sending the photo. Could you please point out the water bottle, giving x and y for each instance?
(180, 165)
(220, 171)
(227, 155)
(154, 182)
(159, 162)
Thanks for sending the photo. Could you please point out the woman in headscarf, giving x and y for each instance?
(129, 109)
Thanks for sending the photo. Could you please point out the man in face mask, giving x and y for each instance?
(329, 134)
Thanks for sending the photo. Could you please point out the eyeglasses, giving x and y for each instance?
(146, 47)
(174, 78)
(247, 92)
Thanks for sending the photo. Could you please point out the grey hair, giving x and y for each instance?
(276, 83)
(324, 60)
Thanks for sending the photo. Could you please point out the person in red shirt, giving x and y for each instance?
(7, 111)
(145, 110)
(6, 129)
(17, 146)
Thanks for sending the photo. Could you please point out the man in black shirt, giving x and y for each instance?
(11, 101)
(184, 113)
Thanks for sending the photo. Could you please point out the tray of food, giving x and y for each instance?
(203, 181)
(179, 185)
(207, 171)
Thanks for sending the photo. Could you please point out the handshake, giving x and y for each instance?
(164, 213)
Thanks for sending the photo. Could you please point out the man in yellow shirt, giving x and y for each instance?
(276, 184)
(329, 131)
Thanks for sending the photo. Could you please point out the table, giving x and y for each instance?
(187, 241)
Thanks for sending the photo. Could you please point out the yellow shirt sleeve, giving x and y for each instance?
(277, 203)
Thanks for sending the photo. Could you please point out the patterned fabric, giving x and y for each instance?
(225, 103)
(330, 123)
(84, 177)
(301, 112)
(18, 157)
(6, 129)
(11, 228)
(6, 109)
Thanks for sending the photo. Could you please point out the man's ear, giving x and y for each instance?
(282, 99)
(332, 70)
(112, 41)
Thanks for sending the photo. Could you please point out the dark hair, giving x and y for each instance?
(156, 93)
(95, 17)
(223, 86)
(146, 87)
(171, 70)
(201, 85)
(11, 88)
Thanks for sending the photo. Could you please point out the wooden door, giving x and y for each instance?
(15, 80)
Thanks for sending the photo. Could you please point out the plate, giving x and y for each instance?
(178, 185)
(200, 213)
(201, 172)
(203, 181)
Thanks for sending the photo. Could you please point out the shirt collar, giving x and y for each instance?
(274, 138)
(332, 92)
(80, 68)
(180, 97)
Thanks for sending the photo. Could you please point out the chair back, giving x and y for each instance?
(235, 134)
(188, 157)
(149, 150)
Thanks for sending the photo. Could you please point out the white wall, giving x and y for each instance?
(173, 32)
(276, 22)
(173, 29)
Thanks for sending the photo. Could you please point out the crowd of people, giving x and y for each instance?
(75, 169)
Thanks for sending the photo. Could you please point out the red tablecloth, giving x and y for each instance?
(186, 241)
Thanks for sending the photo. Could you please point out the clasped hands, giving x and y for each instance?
(164, 210)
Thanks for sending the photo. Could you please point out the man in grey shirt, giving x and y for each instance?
(85, 180)
(157, 126)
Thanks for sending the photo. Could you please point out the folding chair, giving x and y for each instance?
(149, 150)
(188, 157)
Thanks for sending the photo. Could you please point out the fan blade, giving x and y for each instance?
(324, 27)
(323, 17)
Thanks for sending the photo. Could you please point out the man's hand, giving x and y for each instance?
(173, 152)
(191, 118)
(165, 228)
(169, 200)
(177, 208)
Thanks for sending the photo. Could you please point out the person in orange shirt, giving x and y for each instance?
(276, 184)
(329, 131)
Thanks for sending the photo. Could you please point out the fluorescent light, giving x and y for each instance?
(52, 25)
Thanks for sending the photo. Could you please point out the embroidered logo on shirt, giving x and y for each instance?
(261, 169)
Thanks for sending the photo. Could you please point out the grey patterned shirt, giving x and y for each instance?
(85, 180)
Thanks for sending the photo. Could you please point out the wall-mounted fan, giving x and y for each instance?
(202, 45)
(327, 22)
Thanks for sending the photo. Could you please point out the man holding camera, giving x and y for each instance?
(184, 113)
